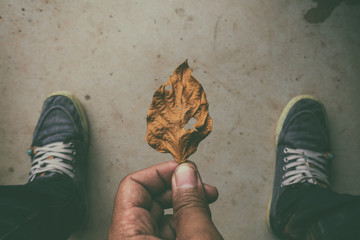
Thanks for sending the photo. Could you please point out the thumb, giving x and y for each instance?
(191, 210)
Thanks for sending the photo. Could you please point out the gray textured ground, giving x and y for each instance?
(251, 57)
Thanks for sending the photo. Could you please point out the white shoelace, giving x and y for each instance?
(53, 157)
(305, 166)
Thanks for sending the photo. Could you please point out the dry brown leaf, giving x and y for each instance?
(180, 99)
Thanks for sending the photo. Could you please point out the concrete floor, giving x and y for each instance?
(251, 57)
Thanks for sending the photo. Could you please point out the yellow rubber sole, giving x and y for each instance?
(279, 126)
(79, 108)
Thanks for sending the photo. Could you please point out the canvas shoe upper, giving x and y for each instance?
(302, 152)
(60, 139)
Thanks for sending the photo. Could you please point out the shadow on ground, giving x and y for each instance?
(324, 9)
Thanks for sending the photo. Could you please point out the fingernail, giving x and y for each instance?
(185, 176)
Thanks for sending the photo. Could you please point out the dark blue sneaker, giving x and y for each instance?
(60, 140)
(302, 155)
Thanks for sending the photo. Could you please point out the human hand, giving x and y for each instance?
(142, 197)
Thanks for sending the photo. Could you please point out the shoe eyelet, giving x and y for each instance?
(29, 152)
(74, 152)
(286, 150)
(281, 185)
(284, 168)
(286, 159)
(329, 156)
(283, 177)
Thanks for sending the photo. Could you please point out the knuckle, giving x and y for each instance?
(190, 199)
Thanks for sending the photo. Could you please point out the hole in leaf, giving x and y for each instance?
(168, 211)
(168, 87)
(190, 124)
